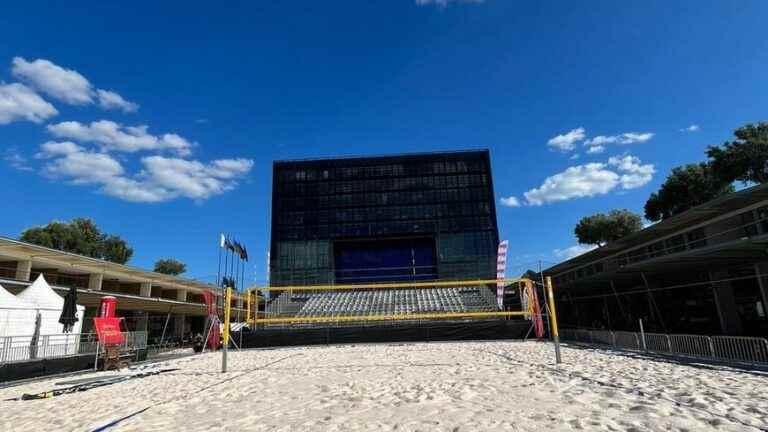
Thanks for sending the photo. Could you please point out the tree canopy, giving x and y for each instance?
(170, 266)
(686, 187)
(745, 159)
(81, 236)
(600, 229)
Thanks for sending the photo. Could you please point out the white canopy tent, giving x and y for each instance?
(42, 300)
(17, 317)
(49, 304)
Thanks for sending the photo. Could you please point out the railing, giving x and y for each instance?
(22, 348)
(735, 349)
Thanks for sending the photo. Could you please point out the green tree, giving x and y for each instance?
(684, 188)
(745, 159)
(115, 249)
(170, 266)
(80, 236)
(601, 229)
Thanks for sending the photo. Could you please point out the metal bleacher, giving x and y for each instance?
(376, 302)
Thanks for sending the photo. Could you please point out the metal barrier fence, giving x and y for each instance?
(22, 348)
(737, 349)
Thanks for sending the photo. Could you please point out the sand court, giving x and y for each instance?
(461, 386)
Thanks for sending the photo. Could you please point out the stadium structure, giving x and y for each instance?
(369, 239)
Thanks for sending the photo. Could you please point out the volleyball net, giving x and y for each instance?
(388, 302)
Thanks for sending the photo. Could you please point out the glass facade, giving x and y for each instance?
(445, 199)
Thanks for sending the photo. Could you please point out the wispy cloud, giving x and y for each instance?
(66, 85)
(573, 251)
(596, 149)
(691, 128)
(111, 100)
(510, 202)
(597, 144)
(568, 140)
(160, 179)
(114, 136)
(16, 160)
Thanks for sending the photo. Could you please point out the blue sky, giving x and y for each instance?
(160, 120)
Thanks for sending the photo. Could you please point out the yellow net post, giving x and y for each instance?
(227, 312)
(553, 320)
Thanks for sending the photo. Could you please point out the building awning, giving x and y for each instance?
(128, 302)
(79, 264)
(738, 252)
(717, 207)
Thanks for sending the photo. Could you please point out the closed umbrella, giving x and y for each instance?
(69, 313)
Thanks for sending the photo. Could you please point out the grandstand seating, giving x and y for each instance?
(368, 302)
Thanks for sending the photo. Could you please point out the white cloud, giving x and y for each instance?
(573, 251)
(66, 85)
(510, 202)
(634, 174)
(625, 138)
(114, 136)
(575, 182)
(193, 179)
(78, 165)
(19, 102)
(567, 141)
(161, 179)
(691, 128)
(591, 179)
(444, 3)
(111, 100)
(597, 149)
(574, 156)
(53, 148)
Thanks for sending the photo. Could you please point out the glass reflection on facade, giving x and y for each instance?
(407, 217)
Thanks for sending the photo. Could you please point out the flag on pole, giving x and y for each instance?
(501, 269)
(238, 248)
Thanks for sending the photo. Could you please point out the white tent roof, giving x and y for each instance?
(41, 295)
(10, 301)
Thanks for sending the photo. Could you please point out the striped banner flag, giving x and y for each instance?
(501, 269)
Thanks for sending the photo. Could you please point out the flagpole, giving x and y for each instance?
(237, 275)
(232, 264)
(242, 272)
(218, 269)
(226, 260)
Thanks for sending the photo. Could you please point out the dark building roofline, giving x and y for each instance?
(696, 215)
(382, 156)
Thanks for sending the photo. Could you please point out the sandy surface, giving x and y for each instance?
(414, 387)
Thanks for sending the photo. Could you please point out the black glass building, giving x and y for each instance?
(393, 218)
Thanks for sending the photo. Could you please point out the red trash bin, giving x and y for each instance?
(108, 307)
